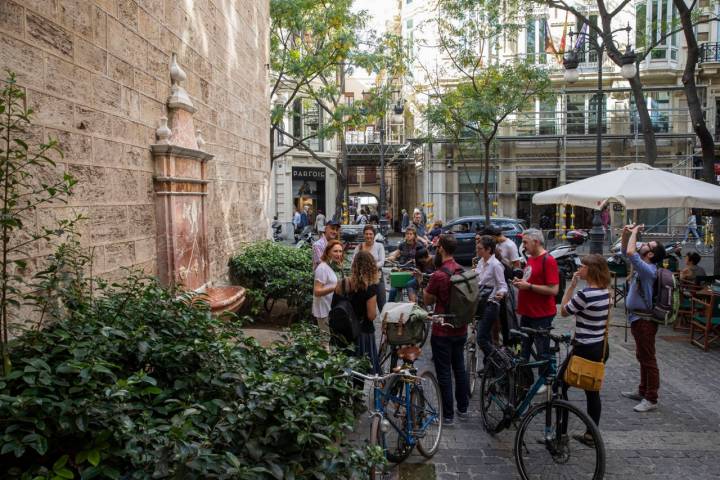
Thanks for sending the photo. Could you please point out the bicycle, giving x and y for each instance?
(542, 446)
(707, 240)
(406, 412)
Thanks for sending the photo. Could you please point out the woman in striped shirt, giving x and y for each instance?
(591, 307)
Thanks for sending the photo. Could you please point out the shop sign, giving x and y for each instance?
(308, 173)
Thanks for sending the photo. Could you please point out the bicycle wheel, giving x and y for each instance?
(427, 414)
(557, 451)
(394, 440)
(494, 398)
(471, 365)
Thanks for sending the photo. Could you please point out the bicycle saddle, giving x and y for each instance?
(409, 354)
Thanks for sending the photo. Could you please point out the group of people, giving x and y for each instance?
(510, 294)
(305, 216)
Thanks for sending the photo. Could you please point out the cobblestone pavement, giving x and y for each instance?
(681, 439)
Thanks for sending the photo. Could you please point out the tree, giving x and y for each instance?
(314, 45)
(24, 190)
(484, 93)
(707, 143)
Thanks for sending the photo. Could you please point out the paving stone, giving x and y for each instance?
(681, 439)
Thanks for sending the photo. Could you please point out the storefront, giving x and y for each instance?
(308, 186)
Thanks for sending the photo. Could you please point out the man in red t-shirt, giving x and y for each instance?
(447, 343)
(537, 290)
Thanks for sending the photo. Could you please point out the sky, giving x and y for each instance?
(381, 10)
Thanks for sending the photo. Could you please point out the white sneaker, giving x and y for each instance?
(698, 242)
(683, 242)
(542, 390)
(645, 406)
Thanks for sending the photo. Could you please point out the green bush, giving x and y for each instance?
(273, 271)
(142, 383)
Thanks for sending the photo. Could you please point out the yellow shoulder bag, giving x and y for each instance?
(584, 373)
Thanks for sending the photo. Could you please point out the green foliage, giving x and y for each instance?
(24, 170)
(272, 271)
(142, 382)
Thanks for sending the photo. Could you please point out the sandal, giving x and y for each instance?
(586, 439)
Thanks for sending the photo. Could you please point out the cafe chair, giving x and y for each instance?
(684, 315)
(705, 319)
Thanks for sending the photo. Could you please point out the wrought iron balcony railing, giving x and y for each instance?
(709, 53)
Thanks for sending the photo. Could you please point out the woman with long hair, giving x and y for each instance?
(325, 282)
(378, 252)
(361, 290)
(591, 307)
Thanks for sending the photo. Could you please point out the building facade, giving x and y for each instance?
(97, 74)
(552, 142)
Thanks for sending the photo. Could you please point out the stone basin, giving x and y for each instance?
(227, 298)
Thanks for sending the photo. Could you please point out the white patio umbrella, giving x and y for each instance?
(637, 185)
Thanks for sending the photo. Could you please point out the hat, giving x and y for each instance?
(332, 223)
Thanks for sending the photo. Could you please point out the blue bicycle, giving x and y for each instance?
(552, 440)
(407, 410)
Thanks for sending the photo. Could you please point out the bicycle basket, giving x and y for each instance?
(400, 279)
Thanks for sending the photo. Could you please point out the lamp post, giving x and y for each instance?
(628, 71)
(398, 109)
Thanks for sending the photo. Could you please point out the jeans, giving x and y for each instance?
(485, 324)
(542, 344)
(449, 360)
(411, 286)
(644, 332)
(694, 232)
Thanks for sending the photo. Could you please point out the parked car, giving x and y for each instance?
(352, 235)
(465, 229)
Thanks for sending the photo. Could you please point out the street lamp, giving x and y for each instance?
(628, 71)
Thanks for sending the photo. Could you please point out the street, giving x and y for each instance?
(681, 439)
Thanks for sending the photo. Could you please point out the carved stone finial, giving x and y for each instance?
(200, 139)
(163, 132)
(179, 97)
(177, 74)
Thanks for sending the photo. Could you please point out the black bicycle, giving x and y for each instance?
(550, 441)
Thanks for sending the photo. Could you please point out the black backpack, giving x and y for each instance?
(343, 322)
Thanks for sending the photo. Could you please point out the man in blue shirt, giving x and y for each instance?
(645, 259)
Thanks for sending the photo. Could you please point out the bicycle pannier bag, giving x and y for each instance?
(408, 329)
(464, 296)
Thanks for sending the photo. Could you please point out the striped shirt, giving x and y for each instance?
(591, 307)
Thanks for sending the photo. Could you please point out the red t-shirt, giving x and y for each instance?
(530, 303)
(439, 286)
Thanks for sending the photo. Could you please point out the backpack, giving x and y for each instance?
(665, 300)
(464, 296)
(343, 322)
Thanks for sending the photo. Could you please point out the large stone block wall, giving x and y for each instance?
(97, 74)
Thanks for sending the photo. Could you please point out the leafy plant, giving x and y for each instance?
(142, 382)
(272, 272)
(21, 193)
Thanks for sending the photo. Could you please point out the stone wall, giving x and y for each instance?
(97, 74)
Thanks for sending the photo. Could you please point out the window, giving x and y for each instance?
(410, 36)
(548, 116)
(535, 40)
(467, 182)
(655, 219)
(575, 114)
(306, 121)
(461, 227)
(653, 20)
(593, 116)
(658, 105)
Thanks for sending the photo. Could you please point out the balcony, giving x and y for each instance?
(709, 53)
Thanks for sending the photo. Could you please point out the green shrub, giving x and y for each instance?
(142, 383)
(273, 271)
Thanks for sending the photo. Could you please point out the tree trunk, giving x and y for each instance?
(645, 123)
(486, 180)
(707, 143)
(341, 199)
